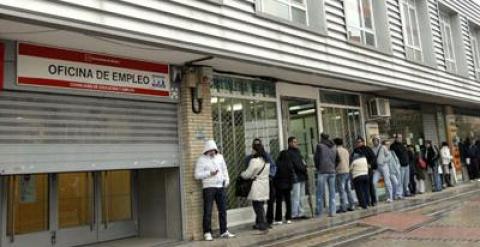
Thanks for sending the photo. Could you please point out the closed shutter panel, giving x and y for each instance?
(430, 127)
(55, 133)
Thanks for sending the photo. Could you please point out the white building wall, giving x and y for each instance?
(233, 30)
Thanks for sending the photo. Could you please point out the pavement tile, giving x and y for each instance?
(397, 221)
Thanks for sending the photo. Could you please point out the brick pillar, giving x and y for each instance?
(195, 129)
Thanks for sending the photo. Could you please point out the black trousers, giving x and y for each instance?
(260, 221)
(283, 195)
(219, 196)
(373, 191)
(362, 187)
(412, 186)
(271, 203)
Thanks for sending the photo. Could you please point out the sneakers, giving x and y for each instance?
(208, 236)
(289, 222)
(389, 200)
(227, 234)
(277, 223)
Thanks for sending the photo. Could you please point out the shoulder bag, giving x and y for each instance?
(243, 186)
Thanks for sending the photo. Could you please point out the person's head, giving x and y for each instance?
(292, 142)
(376, 141)
(338, 141)
(256, 141)
(359, 142)
(259, 151)
(324, 136)
(428, 143)
(410, 147)
(210, 148)
(444, 144)
(398, 137)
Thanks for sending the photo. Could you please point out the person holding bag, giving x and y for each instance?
(446, 159)
(258, 172)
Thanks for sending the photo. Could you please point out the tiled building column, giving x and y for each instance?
(195, 129)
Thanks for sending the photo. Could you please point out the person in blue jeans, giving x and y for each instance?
(402, 153)
(343, 178)
(326, 161)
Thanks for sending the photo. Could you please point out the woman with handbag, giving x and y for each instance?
(258, 171)
(420, 172)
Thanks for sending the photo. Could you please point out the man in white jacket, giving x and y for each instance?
(212, 170)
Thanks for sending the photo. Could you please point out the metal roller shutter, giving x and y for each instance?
(57, 133)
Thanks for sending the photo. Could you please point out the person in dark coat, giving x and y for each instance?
(283, 182)
(326, 161)
(432, 154)
(475, 152)
(364, 151)
(298, 190)
(412, 161)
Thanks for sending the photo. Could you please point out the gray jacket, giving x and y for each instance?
(382, 154)
(326, 157)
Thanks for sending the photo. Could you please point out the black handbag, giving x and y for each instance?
(243, 186)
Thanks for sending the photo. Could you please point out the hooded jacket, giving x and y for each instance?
(359, 165)
(206, 164)
(367, 153)
(326, 157)
(382, 154)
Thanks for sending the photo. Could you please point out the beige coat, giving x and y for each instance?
(344, 160)
(260, 187)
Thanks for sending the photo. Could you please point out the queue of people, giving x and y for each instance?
(284, 181)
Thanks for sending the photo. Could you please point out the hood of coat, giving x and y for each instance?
(210, 145)
(328, 143)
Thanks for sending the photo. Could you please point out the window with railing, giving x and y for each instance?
(360, 21)
(448, 45)
(243, 109)
(290, 10)
(411, 30)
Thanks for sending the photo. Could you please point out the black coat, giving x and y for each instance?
(401, 152)
(366, 152)
(285, 176)
(431, 155)
(299, 165)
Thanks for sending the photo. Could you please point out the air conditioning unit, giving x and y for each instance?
(379, 107)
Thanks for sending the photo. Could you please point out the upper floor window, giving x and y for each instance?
(360, 23)
(476, 54)
(411, 30)
(291, 10)
(449, 50)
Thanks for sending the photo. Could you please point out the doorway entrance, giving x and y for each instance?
(69, 209)
(299, 117)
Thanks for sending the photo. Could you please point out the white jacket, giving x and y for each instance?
(206, 164)
(445, 155)
(260, 187)
(359, 167)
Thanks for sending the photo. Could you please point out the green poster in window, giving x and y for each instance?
(27, 189)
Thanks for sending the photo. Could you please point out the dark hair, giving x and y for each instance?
(338, 141)
(444, 144)
(324, 136)
(256, 140)
(259, 151)
(360, 139)
(291, 138)
(428, 142)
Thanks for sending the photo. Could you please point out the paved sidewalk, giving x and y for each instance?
(321, 227)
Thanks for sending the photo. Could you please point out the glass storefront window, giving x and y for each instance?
(342, 123)
(337, 98)
(242, 86)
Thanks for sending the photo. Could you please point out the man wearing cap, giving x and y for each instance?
(212, 170)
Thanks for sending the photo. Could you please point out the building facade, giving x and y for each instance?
(105, 105)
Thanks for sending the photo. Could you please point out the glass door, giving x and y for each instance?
(300, 120)
(117, 212)
(28, 211)
(75, 209)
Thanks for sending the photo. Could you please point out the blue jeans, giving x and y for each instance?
(404, 180)
(322, 180)
(298, 193)
(384, 171)
(438, 185)
(395, 187)
(345, 191)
